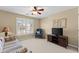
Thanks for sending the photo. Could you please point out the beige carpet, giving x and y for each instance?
(43, 46)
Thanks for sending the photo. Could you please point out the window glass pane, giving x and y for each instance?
(24, 26)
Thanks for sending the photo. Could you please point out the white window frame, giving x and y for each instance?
(22, 30)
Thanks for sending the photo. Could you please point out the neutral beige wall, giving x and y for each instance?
(72, 24)
(9, 19)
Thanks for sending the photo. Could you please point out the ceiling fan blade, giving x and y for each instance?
(39, 13)
(35, 7)
(41, 10)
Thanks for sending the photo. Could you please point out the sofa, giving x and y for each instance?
(7, 46)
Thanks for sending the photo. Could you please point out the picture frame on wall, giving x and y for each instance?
(63, 22)
(55, 23)
(60, 23)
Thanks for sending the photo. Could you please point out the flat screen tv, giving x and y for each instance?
(57, 31)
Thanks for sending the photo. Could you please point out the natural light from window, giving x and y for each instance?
(24, 26)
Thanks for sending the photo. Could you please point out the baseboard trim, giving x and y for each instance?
(73, 45)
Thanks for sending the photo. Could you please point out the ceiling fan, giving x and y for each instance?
(37, 10)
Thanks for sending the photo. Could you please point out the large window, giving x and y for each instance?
(24, 26)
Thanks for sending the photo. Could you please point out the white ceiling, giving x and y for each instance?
(26, 10)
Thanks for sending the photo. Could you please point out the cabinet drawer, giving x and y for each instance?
(49, 38)
(63, 42)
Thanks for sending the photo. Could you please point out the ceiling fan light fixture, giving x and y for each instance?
(37, 10)
(34, 13)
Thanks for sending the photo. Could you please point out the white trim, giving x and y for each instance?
(73, 45)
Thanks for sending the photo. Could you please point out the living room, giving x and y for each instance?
(50, 17)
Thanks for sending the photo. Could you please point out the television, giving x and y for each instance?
(57, 31)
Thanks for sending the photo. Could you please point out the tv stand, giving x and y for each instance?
(59, 40)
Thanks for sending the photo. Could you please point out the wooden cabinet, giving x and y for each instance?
(60, 40)
(63, 41)
(49, 38)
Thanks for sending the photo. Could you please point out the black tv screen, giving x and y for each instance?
(57, 31)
